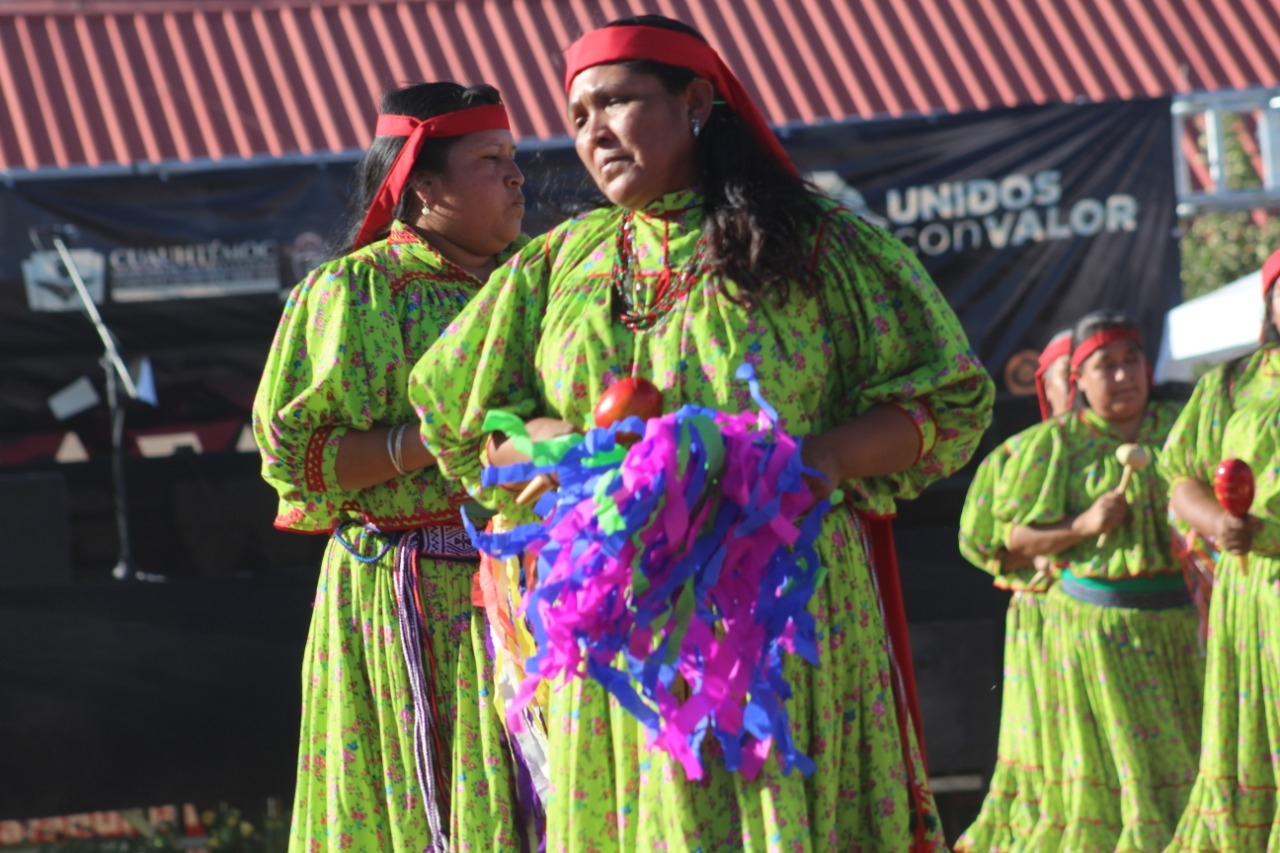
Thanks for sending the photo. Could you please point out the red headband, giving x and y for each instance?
(619, 44)
(1057, 348)
(1270, 272)
(1097, 341)
(457, 123)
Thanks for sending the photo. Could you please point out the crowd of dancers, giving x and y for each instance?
(1140, 706)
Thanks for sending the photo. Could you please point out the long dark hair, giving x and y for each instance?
(423, 101)
(758, 216)
(1270, 335)
(1104, 321)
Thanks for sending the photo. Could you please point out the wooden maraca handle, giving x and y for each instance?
(1244, 558)
(1124, 484)
(534, 489)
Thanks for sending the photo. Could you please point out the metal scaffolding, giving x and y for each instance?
(1210, 177)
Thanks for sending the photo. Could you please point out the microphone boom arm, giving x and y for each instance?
(112, 352)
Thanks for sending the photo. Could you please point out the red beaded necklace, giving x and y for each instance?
(638, 306)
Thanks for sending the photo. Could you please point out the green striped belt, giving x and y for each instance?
(1147, 592)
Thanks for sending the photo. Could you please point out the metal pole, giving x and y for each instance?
(125, 568)
(117, 377)
(117, 374)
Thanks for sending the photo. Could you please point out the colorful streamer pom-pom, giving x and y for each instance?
(676, 573)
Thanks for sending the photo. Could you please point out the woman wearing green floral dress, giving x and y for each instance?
(1012, 805)
(714, 253)
(1123, 673)
(1235, 413)
(400, 748)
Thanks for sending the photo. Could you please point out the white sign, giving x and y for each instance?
(981, 213)
(194, 271)
(49, 284)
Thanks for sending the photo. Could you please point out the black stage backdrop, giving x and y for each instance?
(120, 695)
(129, 695)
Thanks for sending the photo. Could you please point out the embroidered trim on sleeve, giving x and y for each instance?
(313, 466)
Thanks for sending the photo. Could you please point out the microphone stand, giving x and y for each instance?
(117, 377)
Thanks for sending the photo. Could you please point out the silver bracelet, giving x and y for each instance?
(394, 441)
(408, 427)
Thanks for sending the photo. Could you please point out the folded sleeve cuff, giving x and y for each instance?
(926, 425)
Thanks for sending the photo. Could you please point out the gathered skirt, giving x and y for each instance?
(357, 788)
(611, 793)
(1012, 806)
(1234, 804)
(1124, 692)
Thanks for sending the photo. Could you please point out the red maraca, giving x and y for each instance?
(1233, 487)
(631, 395)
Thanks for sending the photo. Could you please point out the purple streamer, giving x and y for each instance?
(677, 578)
(412, 633)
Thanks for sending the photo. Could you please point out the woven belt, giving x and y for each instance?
(447, 543)
(439, 542)
(1156, 592)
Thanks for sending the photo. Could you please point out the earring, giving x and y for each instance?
(697, 127)
(426, 209)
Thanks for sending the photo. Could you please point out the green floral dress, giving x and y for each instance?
(349, 335)
(543, 338)
(1123, 683)
(1012, 805)
(1235, 413)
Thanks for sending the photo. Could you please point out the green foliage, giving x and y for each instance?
(1218, 248)
(228, 832)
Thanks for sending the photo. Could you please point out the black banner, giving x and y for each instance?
(188, 269)
(1026, 218)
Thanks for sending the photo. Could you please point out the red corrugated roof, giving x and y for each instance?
(97, 82)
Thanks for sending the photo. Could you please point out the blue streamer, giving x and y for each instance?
(747, 372)
(657, 599)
